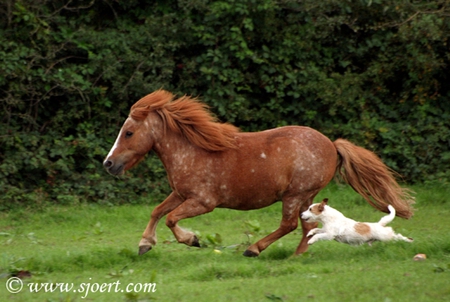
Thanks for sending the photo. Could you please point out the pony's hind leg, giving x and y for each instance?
(189, 208)
(306, 228)
(289, 222)
(149, 236)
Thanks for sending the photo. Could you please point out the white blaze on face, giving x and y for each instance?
(116, 143)
(114, 147)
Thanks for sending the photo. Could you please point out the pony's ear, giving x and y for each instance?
(323, 204)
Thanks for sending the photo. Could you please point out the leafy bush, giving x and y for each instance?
(372, 71)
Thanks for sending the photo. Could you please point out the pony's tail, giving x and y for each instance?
(372, 179)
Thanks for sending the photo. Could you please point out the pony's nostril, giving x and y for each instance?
(107, 164)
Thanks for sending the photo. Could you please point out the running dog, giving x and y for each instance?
(342, 229)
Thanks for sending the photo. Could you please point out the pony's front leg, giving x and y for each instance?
(189, 208)
(149, 236)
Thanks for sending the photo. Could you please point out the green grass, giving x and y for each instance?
(93, 244)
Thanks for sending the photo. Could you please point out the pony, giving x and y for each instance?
(211, 165)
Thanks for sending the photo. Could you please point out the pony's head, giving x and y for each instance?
(135, 138)
(130, 147)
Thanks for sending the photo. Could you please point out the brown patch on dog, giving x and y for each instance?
(362, 228)
(318, 208)
(315, 209)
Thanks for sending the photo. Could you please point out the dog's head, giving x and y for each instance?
(314, 211)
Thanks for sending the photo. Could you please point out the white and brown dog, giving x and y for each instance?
(335, 226)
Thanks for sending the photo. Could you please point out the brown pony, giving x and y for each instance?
(213, 165)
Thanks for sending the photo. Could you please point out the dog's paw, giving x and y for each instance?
(311, 241)
(313, 232)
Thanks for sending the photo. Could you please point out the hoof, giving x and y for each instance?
(249, 253)
(195, 242)
(144, 249)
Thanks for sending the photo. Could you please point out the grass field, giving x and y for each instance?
(94, 249)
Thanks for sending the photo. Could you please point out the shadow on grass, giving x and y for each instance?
(102, 258)
(277, 253)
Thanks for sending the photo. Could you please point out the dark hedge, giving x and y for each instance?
(373, 72)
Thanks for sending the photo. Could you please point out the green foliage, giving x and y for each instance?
(371, 71)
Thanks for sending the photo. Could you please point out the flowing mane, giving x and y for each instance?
(188, 117)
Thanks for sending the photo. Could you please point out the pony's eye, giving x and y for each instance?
(128, 134)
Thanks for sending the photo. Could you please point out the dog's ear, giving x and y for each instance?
(323, 204)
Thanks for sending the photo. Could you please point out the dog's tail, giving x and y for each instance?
(371, 178)
(388, 218)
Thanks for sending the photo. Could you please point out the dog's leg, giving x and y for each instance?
(314, 232)
(403, 238)
(319, 237)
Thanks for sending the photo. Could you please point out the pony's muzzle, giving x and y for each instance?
(112, 168)
(107, 164)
